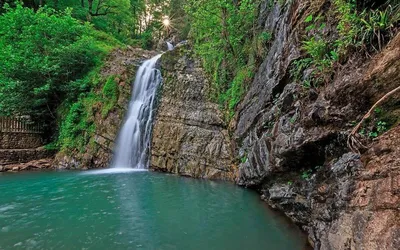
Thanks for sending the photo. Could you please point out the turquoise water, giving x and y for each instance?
(139, 210)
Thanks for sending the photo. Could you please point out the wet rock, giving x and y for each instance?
(347, 163)
(162, 45)
(189, 134)
(280, 192)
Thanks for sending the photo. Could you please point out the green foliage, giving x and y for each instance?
(51, 146)
(306, 174)
(265, 36)
(364, 28)
(378, 111)
(262, 43)
(309, 18)
(293, 119)
(236, 90)
(377, 24)
(53, 54)
(357, 29)
(381, 127)
(320, 51)
(53, 65)
(378, 129)
(243, 159)
(44, 60)
(316, 48)
(146, 39)
(77, 127)
(120, 18)
(51, 58)
(222, 32)
(374, 130)
(298, 67)
(110, 95)
(348, 26)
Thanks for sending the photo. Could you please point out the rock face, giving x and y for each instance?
(294, 140)
(190, 137)
(360, 210)
(373, 220)
(31, 165)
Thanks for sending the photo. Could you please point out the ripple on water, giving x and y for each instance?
(7, 207)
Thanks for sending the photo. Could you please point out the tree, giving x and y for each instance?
(42, 60)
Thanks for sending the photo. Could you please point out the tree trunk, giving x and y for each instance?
(90, 3)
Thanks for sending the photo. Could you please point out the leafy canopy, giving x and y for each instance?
(42, 55)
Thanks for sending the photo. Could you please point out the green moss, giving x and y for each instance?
(233, 95)
(78, 127)
(110, 95)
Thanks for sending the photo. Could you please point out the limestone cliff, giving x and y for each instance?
(295, 141)
(190, 137)
(292, 140)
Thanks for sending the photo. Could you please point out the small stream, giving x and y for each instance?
(135, 210)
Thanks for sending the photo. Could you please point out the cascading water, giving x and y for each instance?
(170, 46)
(133, 142)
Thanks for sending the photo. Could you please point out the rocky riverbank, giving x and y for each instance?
(36, 165)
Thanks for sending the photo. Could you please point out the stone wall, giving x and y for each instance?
(190, 137)
(13, 156)
(20, 140)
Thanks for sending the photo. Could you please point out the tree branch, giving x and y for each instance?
(352, 142)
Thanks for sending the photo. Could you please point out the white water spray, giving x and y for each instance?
(170, 46)
(133, 143)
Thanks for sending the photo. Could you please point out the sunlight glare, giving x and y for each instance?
(166, 22)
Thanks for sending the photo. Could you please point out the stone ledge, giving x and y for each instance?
(32, 165)
(15, 156)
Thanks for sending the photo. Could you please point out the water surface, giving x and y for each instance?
(134, 210)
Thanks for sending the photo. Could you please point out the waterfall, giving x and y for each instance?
(133, 143)
(170, 46)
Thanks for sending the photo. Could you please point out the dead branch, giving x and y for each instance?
(352, 142)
